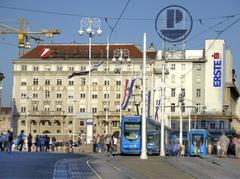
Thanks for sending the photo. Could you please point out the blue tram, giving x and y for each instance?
(131, 139)
(198, 142)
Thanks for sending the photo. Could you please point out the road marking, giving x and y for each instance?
(88, 163)
(120, 170)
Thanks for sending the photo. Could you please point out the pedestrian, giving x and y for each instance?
(37, 143)
(21, 140)
(1, 142)
(180, 150)
(10, 141)
(236, 141)
(115, 143)
(224, 142)
(53, 143)
(219, 151)
(29, 142)
(210, 148)
(98, 149)
(111, 146)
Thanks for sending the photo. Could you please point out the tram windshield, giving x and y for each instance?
(132, 131)
(197, 139)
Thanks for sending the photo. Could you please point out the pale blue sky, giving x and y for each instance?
(138, 18)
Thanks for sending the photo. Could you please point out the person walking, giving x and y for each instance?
(10, 141)
(224, 142)
(29, 142)
(21, 140)
(236, 141)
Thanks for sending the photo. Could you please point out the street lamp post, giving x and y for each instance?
(121, 55)
(91, 26)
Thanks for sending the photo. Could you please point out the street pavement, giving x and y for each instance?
(40, 165)
(30, 165)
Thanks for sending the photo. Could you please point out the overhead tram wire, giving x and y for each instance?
(111, 18)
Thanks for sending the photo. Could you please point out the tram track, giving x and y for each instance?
(108, 162)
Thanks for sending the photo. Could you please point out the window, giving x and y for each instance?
(23, 109)
(198, 67)
(212, 125)
(106, 95)
(115, 123)
(173, 92)
(82, 68)
(23, 95)
(118, 82)
(71, 68)
(24, 67)
(182, 78)
(70, 109)
(59, 95)
(59, 68)
(59, 81)
(69, 122)
(47, 81)
(94, 96)
(198, 93)
(183, 107)
(81, 123)
(105, 109)
(172, 78)
(47, 94)
(106, 82)
(82, 81)
(203, 124)
(173, 66)
(46, 108)
(198, 79)
(35, 68)
(70, 82)
(58, 131)
(82, 95)
(59, 108)
(24, 82)
(172, 107)
(183, 66)
(82, 110)
(35, 81)
(118, 96)
(35, 95)
(47, 68)
(35, 107)
(183, 91)
(221, 125)
(94, 110)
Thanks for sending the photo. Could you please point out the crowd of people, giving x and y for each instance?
(106, 143)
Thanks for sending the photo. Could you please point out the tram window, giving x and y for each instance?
(197, 139)
(132, 131)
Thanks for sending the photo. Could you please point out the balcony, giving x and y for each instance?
(43, 113)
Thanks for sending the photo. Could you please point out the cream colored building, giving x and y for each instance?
(5, 113)
(47, 101)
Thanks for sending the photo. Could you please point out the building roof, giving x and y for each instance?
(5, 110)
(65, 51)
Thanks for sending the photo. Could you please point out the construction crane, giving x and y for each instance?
(24, 36)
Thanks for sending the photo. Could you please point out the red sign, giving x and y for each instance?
(45, 53)
(216, 55)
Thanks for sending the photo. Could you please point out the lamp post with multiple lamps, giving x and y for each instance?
(90, 25)
(121, 56)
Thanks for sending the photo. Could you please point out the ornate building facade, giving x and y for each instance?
(48, 102)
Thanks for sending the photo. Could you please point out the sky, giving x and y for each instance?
(209, 19)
